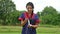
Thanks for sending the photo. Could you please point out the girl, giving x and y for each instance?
(29, 20)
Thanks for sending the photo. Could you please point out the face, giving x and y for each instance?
(29, 8)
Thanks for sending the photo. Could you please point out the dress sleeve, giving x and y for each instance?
(21, 17)
(37, 18)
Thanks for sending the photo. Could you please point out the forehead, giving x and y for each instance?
(29, 6)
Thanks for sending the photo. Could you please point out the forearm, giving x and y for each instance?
(23, 23)
(34, 26)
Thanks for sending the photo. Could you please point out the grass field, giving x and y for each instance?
(43, 29)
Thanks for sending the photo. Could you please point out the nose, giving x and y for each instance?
(29, 9)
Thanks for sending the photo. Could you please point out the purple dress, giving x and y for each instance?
(33, 20)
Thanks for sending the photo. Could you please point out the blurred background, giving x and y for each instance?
(47, 10)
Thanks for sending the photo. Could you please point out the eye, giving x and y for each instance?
(29, 7)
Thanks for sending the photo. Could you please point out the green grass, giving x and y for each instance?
(43, 29)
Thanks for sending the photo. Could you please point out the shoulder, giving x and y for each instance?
(35, 14)
(24, 12)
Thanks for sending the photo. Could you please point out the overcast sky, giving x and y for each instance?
(38, 4)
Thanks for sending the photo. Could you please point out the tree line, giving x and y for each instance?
(49, 16)
(9, 15)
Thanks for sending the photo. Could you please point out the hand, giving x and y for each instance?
(33, 26)
(29, 25)
(26, 19)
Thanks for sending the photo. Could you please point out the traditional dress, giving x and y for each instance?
(33, 20)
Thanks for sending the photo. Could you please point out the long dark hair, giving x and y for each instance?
(31, 4)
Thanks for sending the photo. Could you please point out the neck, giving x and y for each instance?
(29, 13)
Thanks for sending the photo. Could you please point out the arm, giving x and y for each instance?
(21, 18)
(33, 26)
(23, 22)
(36, 23)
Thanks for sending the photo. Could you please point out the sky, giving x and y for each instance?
(39, 5)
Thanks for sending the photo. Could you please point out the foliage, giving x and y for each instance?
(50, 16)
(9, 15)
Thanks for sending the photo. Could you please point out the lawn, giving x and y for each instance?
(43, 29)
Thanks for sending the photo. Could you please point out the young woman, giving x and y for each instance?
(29, 20)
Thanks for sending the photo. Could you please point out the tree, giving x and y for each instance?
(12, 18)
(6, 7)
(49, 16)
